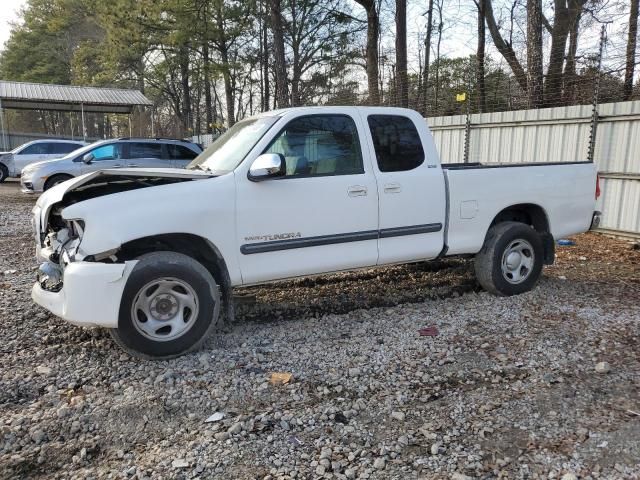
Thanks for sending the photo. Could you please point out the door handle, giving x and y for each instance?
(134, 165)
(117, 166)
(392, 188)
(357, 191)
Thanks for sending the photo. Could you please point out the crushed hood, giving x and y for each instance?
(106, 182)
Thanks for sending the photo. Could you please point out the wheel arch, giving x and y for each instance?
(536, 217)
(194, 246)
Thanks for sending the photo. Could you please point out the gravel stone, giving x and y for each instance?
(507, 389)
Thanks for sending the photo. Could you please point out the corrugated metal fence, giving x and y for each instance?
(16, 139)
(557, 135)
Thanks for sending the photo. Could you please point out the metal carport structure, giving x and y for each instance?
(69, 98)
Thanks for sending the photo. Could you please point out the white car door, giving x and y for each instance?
(31, 153)
(411, 189)
(322, 216)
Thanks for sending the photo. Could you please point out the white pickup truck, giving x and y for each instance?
(152, 254)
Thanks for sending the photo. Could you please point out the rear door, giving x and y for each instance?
(180, 155)
(60, 149)
(148, 155)
(411, 190)
(36, 152)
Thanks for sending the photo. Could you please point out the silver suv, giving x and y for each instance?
(117, 153)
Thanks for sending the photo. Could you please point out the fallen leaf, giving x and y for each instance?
(279, 378)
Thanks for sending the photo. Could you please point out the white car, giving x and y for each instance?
(152, 254)
(114, 153)
(12, 163)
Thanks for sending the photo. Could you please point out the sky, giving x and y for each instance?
(8, 14)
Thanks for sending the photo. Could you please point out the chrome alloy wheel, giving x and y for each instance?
(164, 309)
(517, 261)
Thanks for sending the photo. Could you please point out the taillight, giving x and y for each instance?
(597, 186)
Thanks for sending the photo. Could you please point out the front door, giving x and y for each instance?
(411, 189)
(322, 216)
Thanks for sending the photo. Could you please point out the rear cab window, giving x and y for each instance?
(396, 142)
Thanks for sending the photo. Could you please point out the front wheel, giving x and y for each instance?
(55, 180)
(169, 306)
(511, 259)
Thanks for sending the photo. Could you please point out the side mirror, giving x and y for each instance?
(88, 158)
(266, 166)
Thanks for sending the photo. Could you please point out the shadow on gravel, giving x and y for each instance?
(344, 292)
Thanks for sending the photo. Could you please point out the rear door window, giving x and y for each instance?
(63, 148)
(180, 152)
(396, 142)
(145, 150)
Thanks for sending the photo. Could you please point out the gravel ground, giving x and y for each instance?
(507, 388)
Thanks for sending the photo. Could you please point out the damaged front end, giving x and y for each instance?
(59, 239)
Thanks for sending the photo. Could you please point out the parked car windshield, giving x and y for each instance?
(226, 153)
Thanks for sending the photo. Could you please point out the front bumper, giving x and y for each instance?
(29, 185)
(90, 294)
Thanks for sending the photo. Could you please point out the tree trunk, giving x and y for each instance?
(480, 54)
(505, 49)
(282, 94)
(207, 85)
(373, 32)
(534, 53)
(570, 78)
(440, 25)
(631, 50)
(228, 88)
(559, 35)
(265, 40)
(186, 89)
(427, 58)
(401, 53)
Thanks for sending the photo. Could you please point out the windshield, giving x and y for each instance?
(226, 153)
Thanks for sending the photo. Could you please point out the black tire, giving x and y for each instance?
(55, 180)
(166, 267)
(493, 269)
(4, 172)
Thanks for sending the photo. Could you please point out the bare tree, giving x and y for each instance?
(401, 53)
(631, 50)
(427, 56)
(534, 53)
(373, 32)
(480, 54)
(282, 95)
(505, 48)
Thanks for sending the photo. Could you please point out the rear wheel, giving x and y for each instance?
(4, 172)
(55, 180)
(170, 305)
(511, 259)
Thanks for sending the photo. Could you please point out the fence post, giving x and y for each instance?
(594, 112)
(467, 126)
(4, 136)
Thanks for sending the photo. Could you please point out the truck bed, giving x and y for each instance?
(478, 192)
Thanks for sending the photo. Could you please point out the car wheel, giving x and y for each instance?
(4, 172)
(170, 305)
(511, 259)
(55, 180)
